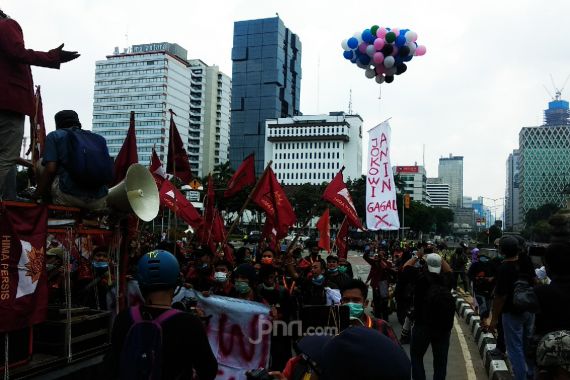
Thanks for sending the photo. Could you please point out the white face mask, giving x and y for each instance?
(220, 276)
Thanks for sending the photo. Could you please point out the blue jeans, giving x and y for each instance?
(518, 329)
(421, 339)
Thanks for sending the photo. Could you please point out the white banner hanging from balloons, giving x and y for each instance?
(381, 207)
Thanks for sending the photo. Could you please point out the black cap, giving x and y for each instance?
(66, 119)
(364, 354)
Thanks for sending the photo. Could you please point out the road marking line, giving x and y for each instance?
(465, 350)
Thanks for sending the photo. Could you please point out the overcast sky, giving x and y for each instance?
(479, 83)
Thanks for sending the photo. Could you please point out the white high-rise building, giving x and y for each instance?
(150, 79)
(438, 192)
(450, 171)
(313, 148)
(415, 182)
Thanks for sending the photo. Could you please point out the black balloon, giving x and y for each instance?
(387, 50)
(401, 68)
(404, 51)
(389, 78)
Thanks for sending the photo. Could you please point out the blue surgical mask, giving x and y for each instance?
(332, 270)
(268, 287)
(100, 264)
(242, 287)
(342, 269)
(318, 280)
(355, 310)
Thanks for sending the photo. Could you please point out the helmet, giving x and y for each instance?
(158, 269)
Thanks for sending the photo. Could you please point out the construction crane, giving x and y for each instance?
(557, 91)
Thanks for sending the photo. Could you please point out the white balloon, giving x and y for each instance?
(389, 61)
(358, 36)
(411, 36)
(370, 73)
(412, 47)
(391, 71)
(344, 45)
(380, 78)
(370, 50)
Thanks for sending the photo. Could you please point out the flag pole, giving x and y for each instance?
(236, 221)
(334, 244)
(170, 141)
(298, 234)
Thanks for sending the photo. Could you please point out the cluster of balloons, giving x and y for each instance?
(382, 52)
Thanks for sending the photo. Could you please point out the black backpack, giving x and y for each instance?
(88, 163)
(438, 309)
(141, 357)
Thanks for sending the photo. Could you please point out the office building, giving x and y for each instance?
(467, 202)
(513, 221)
(415, 182)
(450, 170)
(266, 84)
(209, 128)
(545, 160)
(313, 148)
(463, 219)
(150, 79)
(438, 192)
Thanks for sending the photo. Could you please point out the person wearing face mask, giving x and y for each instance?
(94, 294)
(333, 275)
(312, 289)
(222, 284)
(202, 278)
(244, 282)
(354, 295)
(345, 267)
(481, 273)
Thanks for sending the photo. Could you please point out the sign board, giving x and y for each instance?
(195, 184)
(193, 196)
(407, 169)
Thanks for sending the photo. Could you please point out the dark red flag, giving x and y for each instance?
(157, 170)
(324, 227)
(341, 239)
(177, 156)
(269, 233)
(244, 176)
(205, 232)
(337, 194)
(128, 154)
(23, 276)
(37, 129)
(272, 199)
(172, 198)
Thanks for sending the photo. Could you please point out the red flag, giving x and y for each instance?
(218, 229)
(175, 200)
(337, 194)
(23, 275)
(206, 231)
(177, 163)
(269, 233)
(324, 227)
(341, 243)
(272, 199)
(37, 129)
(244, 176)
(128, 153)
(156, 169)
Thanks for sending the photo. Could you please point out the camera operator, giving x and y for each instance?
(178, 342)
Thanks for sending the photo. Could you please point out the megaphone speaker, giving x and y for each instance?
(137, 193)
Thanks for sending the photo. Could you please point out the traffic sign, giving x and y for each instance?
(195, 184)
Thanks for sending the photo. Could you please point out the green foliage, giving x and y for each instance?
(536, 222)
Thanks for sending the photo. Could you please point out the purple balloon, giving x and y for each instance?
(378, 58)
(362, 47)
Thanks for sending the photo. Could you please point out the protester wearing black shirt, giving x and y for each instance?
(185, 346)
(517, 325)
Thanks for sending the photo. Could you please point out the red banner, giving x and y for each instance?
(23, 280)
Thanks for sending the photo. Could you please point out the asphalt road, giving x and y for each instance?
(463, 361)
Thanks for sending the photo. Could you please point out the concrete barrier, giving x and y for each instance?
(495, 366)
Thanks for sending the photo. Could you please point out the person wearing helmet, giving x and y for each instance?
(184, 347)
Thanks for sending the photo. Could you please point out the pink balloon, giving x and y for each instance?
(380, 69)
(395, 51)
(396, 31)
(378, 58)
(362, 47)
(379, 43)
(420, 50)
(381, 32)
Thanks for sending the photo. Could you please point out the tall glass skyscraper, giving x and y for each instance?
(545, 159)
(266, 83)
(450, 170)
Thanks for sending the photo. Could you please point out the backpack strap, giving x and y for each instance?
(136, 314)
(166, 315)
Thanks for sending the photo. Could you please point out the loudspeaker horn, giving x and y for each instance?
(136, 193)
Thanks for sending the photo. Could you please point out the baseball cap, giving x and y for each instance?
(371, 356)
(433, 261)
(554, 350)
(312, 347)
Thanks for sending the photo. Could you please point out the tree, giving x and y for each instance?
(543, 212)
